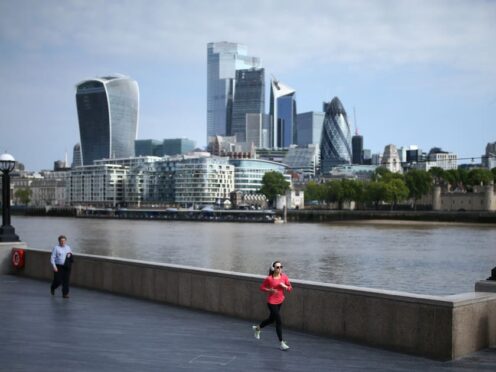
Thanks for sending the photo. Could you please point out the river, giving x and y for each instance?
(417, 257)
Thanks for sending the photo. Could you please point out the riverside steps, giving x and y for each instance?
(437, 327)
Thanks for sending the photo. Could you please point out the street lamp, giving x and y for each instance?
(7, 232)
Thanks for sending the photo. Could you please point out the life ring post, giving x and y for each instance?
(18, 258)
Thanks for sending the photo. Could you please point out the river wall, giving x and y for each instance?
(439, 327)
(322, 215)
(295, 215)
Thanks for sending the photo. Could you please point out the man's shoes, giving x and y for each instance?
(284, 346)
(65, 296)
(256, 332)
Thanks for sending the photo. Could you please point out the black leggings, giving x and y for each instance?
(274, 317)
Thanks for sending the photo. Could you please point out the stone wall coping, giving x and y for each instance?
(449, 301)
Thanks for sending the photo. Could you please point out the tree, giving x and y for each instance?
(23, 195)
(438, 174)
(314, 191)
(375, 192)
(493, 171)
(479, 176)
(396, 191)
(419, 183)
(273, 184)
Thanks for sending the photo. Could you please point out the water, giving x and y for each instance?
(429, 258)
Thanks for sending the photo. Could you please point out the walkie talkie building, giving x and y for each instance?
(108, 110)
(335, 143)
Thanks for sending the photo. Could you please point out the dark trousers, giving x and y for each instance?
(274, 317)
(61, 277)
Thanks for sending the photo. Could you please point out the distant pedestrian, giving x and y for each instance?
(274, 284)
(61, 260)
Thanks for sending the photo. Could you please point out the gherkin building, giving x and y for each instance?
(335, 143)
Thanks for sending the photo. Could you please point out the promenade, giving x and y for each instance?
(97, 331)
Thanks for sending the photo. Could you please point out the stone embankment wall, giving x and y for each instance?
(440, 327)
(321, 215)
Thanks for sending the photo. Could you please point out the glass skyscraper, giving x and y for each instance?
(249, 98)
(223, 59)
(108, 117)
(335, 144)
(283, 113)
(309, 128)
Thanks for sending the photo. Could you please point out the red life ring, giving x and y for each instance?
(18, 258)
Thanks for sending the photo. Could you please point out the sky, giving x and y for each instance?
(411, 72)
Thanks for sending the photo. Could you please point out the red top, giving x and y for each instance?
(277, 297)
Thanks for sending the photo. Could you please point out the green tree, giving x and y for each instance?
(273, 184)
(493, 171)
(384, 174)
(419, 183)
(479, 176)
(333, 192)
(375, 192)
(314, 191)
(396, 191)
(438, 174)
(23, 195)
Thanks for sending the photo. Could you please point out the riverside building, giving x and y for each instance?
(108, 117)
(248, 173)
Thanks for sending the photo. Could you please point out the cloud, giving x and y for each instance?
(285, 34)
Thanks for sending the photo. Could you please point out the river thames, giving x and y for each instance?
(428, 258)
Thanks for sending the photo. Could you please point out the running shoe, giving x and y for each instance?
(256, 332)
(284, 346)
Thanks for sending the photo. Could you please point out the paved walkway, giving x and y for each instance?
(95, 331)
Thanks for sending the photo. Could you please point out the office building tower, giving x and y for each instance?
(489, 158)
(254, 129)
(108, 117)
(223, 59)
(283, 113)
(177, 146)
(148, 147)
(357, 149)
(249, 98)
(309, 128)
(76, 156)
(367, 157)
(335, 144)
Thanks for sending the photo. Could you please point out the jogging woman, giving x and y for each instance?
(275, 284)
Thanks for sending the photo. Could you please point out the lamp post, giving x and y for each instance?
(7, 232)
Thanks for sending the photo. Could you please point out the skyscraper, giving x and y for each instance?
(309, 128)
(335, 144)
(223, 59)
(249, 98)
(76, 156)
(357, 149)
(283, 113)
(108, 117)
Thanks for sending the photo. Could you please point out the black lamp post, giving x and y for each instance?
(7, 232)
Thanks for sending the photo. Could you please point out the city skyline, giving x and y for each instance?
(415, 72)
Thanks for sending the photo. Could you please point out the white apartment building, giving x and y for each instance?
(99, 185)
(203, 180)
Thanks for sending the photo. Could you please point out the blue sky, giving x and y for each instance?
(416, 72)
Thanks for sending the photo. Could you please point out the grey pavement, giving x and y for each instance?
(97, 331)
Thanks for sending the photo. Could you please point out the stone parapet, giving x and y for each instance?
(439, 327)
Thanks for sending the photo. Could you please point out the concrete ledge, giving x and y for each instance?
(485, 286)
(439, 327)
